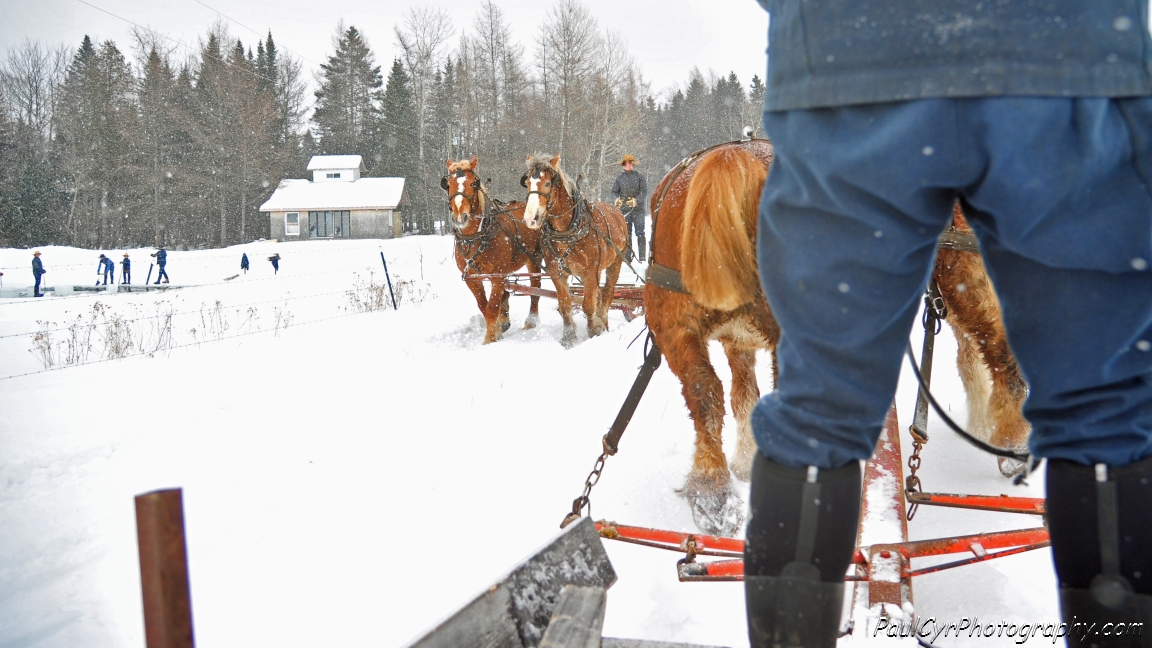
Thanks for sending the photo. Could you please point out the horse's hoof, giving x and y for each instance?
(718, 512)
(504, 326)
(532, 321)
(1010, 467)
(741, 466)
(568, 341)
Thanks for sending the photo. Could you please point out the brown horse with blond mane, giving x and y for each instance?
(577, 238)
(491, 239)
(703, 284)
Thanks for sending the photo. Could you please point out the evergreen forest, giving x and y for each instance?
(157, 142)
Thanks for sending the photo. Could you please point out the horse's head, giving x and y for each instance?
(545, 182)
(466, 199)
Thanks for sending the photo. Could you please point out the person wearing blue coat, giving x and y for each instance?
(161, 259)
(244, 262)
(38, 271)
(126, 264)
(106, 268)
(275, 259)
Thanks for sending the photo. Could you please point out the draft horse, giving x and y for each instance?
(491, 239)
(993, 384)
(703, 284)
(577, 238)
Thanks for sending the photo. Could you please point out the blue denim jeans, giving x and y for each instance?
(1059, 192)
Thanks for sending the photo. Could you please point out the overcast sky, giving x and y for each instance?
(667, 37)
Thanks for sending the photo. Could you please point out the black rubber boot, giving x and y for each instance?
(641, 249)
(800, 541)
(1100, 522)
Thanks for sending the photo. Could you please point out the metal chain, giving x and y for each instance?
(579, 503)
(934, 308)
(912, 482)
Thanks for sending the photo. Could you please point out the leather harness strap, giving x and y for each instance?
(666, 278)
(954, 239)
(670, 279)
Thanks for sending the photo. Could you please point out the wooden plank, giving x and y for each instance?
(483, 623)
(577, 619)
(164, 569)
(525, 598)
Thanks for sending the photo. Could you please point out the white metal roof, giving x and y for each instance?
(321, 162)
(365, 193)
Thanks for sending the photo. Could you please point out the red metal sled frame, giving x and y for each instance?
(629, 299)
(981, 545)
(886, 464)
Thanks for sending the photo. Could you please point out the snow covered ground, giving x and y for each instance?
(354, 477)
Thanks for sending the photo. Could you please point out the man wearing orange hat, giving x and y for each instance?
(630, 193)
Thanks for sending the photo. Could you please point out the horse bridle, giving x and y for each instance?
(535, 173)
(477, 189)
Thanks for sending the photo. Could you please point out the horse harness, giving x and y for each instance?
(670, 278)
(660, 275)
(489, 225)
(579, 227)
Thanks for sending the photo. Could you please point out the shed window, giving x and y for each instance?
(292, 223)
(328, 224)
(333, 175)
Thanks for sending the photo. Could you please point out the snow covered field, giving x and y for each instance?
(354, 477)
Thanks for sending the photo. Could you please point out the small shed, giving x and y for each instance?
(336, 203)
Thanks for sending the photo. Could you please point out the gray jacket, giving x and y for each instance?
(631, 184)
(826, 53)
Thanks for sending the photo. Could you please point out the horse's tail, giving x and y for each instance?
(717, 259)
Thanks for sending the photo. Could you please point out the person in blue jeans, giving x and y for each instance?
(126, 273)
(161, 260)
(38, 272)
(244, 262)
(106, 268)
(1039, 121)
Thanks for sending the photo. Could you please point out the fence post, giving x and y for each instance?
(389, 279)
(164, 569)
(149, 278)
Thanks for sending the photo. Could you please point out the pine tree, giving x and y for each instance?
(96, 115)
(161, 142)
(397, 147)
(347, 102)
(756, 92)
